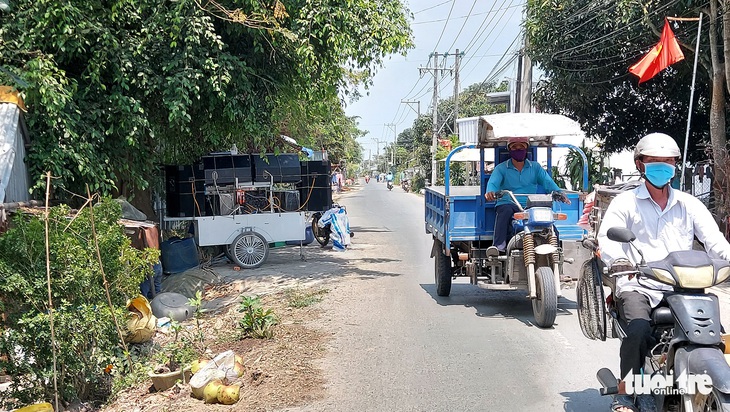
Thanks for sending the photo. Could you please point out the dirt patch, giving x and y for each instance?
(279, 372)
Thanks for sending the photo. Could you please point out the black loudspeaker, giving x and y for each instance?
(284, 168)
(225, 168)
(315, 190)
(184, 186)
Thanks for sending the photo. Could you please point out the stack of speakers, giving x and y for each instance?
(185, 190)
(223, 169)
(217, 174)
(315, 190)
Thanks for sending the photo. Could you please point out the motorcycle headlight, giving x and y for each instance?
(540, 215)
(663, 276)
(695, 278)
(723, 274)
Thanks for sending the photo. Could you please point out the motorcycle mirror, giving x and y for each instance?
(624, 235)
(620, 234)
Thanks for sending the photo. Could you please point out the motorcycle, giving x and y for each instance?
(406, 185)
(322, 234)
(367, 179)
(685, 368)
(390, 185)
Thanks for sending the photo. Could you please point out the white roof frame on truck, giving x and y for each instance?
(495, 129)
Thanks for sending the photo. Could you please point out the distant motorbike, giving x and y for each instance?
(406, 185)
(390, 185)
(687, 341)
(367, 179)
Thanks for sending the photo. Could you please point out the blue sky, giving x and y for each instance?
(438, 26)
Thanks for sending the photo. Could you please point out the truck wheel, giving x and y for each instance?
(249, 250)
(545, 306)
(442, 271)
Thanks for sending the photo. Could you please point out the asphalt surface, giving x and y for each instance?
(397, 346)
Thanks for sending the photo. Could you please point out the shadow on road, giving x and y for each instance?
(510, 304)
(585, 400)
(372, 229)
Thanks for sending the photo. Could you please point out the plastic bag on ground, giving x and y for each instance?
(340, 227)
(141, 323)
(222, 366)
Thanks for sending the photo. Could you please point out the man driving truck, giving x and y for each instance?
(520, 176)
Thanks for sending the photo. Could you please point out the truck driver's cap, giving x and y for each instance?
(516, 139)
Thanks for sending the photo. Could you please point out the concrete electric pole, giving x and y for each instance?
(434, 138)
(393, 158)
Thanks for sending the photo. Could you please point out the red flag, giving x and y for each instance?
(661, 56)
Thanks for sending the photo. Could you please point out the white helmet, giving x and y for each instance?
(657, 145)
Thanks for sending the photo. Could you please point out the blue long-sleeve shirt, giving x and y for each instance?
(505, 176)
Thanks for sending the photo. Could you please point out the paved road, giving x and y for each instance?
(399, 347)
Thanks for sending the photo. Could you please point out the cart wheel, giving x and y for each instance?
(249, 250)
(545, 306)
(442, 271)
(321, 234)
(229, 255)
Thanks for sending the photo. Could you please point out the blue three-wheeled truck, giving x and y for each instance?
(461, 220)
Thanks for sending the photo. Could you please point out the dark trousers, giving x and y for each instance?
(635, 309)
(502, 224)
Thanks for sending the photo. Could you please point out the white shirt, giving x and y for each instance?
(658, 232)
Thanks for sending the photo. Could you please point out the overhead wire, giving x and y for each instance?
(431, 7)
(613, 35)
(415, 23)
(469, 59)
(485, 23)
(463, 25)
(445, 24)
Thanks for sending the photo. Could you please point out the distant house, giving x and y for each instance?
(14, 181)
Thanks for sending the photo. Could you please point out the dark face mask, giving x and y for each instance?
(519, 155)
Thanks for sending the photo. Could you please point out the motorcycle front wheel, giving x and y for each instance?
(322, 235)
(715, 401)
(545, 306)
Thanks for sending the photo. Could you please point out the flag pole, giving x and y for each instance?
(691, 93)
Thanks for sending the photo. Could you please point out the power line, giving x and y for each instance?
(463, 25)
(445, 24)
(429, 8)
(493, 41)
(457, 18)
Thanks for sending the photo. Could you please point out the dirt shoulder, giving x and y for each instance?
(281, 372)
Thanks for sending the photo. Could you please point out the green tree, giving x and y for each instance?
(85, 336)
(115, 89)
(585, 49)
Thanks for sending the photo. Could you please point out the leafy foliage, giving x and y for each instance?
(115, 89)
(585, 49)
(256, 322)
(573, 169)
(85, 335)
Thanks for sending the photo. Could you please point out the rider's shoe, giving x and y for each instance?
(623, 401)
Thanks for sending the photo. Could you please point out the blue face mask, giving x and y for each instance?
(658, 174)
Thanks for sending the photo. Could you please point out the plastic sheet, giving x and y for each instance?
(141, 323)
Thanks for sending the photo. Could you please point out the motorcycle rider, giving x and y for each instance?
(518, 175)
(389, 179)
(664, 220)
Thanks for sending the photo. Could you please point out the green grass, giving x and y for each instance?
(303, 297)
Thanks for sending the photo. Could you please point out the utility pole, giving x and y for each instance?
(434, 141)
(377, 151)
(434, 138)
(391, 126)
(518, 84)
(457, 60)
(409, 102)
(525, 92)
